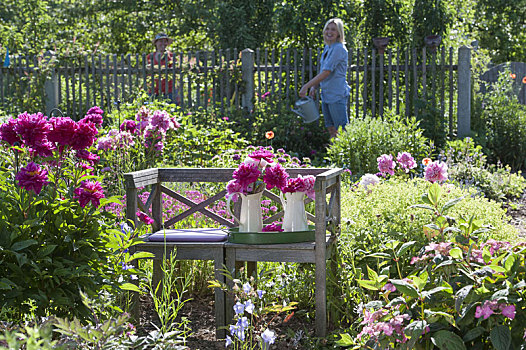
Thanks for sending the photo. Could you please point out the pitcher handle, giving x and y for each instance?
(228, 207)
(283, 200)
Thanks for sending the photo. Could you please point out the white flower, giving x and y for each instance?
(247, 288)
(369, 179)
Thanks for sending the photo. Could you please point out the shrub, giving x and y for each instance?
(373, 217)
(54, 240)
(502, 125)
(358, 147)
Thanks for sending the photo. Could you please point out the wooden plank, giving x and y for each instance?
(381, 86)
(365, 81)
(81, 110)
(258, 73)
(398, 81)
(206, 92)
(357, 107)
(451, 91)
(390, 79)
(433, 78)
(442, 82)
(197, 82)
(108, 95)
(415, 82)
(86, 65)
(195, 174)
(185, 250)
(406, 76)
(73, 93)
(66, 78)
(189, 91)
(424, 73)
(373, 82)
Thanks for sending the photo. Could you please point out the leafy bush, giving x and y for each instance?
(358, 147)
(54, 240)
(381, 213)
(501, 128)
(467, 167)
(288, 129)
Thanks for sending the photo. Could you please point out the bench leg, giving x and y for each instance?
(220, 302)
(230, 261)
(321, 299)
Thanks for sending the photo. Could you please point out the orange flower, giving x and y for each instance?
(426, 161)
(269, 135)
(524, 80)
(513, 75)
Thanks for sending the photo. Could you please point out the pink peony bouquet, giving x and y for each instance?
(301, 184)
(256, 173)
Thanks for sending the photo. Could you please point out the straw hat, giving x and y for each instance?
(162, 36)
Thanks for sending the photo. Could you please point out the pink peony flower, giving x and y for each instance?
(62, 130)
(95, 110)
(275, 227)
(262, 154)
(91, 157)
(42, 148)
(32, 128)
(8, 133)
(143, 115)
(129, 126)
(436, 171)
(275, 176)
(93, 118)
(145, 218)
(84, 135)
(406, 161)
(32, 178)
(89, 191)
(246, 174)
(386, 164)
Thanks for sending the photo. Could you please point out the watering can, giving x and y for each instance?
(306, 108)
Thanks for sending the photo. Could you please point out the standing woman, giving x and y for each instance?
(332, 78)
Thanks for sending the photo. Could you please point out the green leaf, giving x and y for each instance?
(140, 255)
(367, 284)
(414, 331)
(46, 250)
(461, 295)
(345, 340)
(500, 337)
(130, 286)
(447, 340)
(422, 206)
(435, 191)
(456, 253)
(17, 246)
(373, 276)
(451, 203)
(510, 261)
(405, 288)
(405, 247)
(473, 334)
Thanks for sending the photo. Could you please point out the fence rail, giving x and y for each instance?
(405, 80)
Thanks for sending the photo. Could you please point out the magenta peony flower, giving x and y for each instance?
(436, 171)
(84, 135)
(91, 157)
(32, 178)
(246, 174)
(89, 191)
(32, 128)
(42, 148)
(275, 227)
(62, 130)
(275, 176)
(143, 115)
(294, 184)
(145, 218)
(406, 161)
(95, 110)
(386, 164)
(8, 133)
(93, 118)
(129, 126)
(262, 154)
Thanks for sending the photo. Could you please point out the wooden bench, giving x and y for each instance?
(326, 218)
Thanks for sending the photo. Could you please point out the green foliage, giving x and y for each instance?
(501, 126)
(430, 17)
(359, 145)
(289, 130)
(371, 220)
(467, 167)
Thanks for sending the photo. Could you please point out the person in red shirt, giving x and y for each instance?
(162, 59)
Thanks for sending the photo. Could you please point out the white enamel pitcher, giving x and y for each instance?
(251, 219)
(295, 218)
(307, 109)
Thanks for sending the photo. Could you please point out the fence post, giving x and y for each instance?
(464, 92)
(247, 70)
(51, 91)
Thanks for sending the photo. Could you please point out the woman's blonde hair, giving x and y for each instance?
(339, 26)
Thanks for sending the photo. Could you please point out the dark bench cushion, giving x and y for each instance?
(189, 235)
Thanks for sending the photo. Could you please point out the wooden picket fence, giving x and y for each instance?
(400, 79)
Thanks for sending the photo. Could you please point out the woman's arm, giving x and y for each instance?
(313, 83)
